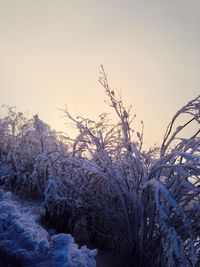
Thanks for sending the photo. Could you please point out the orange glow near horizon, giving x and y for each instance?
(51, 52)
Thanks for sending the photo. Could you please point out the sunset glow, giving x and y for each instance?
(51, 53)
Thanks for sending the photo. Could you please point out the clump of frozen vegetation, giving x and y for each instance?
(29, 151)
(144, 206)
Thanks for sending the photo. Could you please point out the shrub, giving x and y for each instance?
(143, 205)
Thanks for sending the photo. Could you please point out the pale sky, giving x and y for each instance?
(51, 52)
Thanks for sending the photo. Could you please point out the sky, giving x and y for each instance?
(51, 52)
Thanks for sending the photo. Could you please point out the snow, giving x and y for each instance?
(67, 254)
(25, 242)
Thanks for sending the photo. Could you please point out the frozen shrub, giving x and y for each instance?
(30, 150)
(143, 205)
(63, 204)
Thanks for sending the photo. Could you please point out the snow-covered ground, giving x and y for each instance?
(23, 242)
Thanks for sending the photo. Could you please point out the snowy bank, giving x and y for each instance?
(23, 242)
